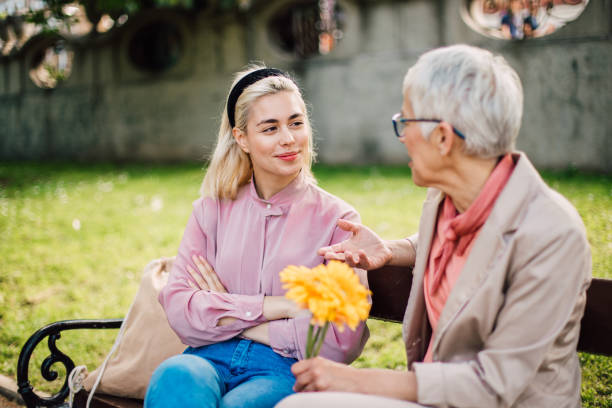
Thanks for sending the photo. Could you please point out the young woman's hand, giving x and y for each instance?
(364, 249)
(205, 278)
(258, 333)
(279, 307)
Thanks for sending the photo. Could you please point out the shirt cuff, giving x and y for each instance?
(413, 239)
(249, 308)
(282, 335)
(430, 383)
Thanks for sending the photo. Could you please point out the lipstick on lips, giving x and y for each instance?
(289, 156)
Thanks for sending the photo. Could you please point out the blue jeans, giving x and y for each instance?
(233, 373)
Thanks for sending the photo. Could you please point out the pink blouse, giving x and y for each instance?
(248, 241)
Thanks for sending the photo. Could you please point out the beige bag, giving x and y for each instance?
(144, 341)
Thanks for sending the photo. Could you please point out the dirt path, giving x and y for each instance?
(7, 387)
(5, 403)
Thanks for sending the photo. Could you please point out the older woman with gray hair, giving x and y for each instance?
(501, 261)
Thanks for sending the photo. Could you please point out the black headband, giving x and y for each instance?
(245, 82)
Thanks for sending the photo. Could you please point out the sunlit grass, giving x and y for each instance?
(75, 239)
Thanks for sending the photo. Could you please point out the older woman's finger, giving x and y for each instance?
(334, 256)
(306, 373)
(199, 281)
(349, 225)
(324, 250)
(364, 260)
(361, 260)
(320, 383)
(300, 367)
(303, 382)
(350, 259)
(335, 248)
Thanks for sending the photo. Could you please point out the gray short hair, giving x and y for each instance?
(473, 90)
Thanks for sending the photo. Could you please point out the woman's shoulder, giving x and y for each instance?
(550, 209)
(205, 202)
(327, 200)
(209, 211)
(541, 228)
(545, 219)
(551, 217)
(208, 202)
(205, 210)
(533, 204)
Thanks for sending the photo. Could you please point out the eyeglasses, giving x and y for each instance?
(399, 124)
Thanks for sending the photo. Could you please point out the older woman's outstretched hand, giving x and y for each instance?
(364, 249)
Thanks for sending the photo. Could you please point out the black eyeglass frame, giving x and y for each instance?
(397, 118)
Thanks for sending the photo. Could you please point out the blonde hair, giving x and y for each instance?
(230, 168)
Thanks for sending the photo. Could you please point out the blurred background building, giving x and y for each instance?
(147, 81)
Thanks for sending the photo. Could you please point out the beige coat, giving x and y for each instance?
(508, 333)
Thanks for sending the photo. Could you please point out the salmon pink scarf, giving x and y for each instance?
(453, 240)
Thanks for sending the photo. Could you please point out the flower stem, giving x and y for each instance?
(314, 341)
(321, 339)
(309, 342)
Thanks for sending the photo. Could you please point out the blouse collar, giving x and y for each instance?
(284, 197)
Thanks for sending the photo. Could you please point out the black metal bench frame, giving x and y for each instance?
(390, 287)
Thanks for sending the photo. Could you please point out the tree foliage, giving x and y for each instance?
(54, 14)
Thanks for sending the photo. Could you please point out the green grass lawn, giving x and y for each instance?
(74, 240)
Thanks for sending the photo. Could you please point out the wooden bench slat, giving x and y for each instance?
(390, 286)
(596, 324)
(105, 401)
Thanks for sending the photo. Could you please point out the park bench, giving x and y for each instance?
(390, 287)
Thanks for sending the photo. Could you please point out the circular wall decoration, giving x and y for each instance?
(307, 28)
(156, 47)
(520, 19)
(52, 64)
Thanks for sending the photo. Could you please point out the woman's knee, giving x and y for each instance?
(186, 368)
(260, 392)
(181, 378)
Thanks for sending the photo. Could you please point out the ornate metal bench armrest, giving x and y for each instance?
(53, 331)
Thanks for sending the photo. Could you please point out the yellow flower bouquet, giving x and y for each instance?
(332, 293)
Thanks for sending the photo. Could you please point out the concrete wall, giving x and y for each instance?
(108, 109)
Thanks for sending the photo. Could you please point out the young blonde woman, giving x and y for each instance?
(260, 211)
